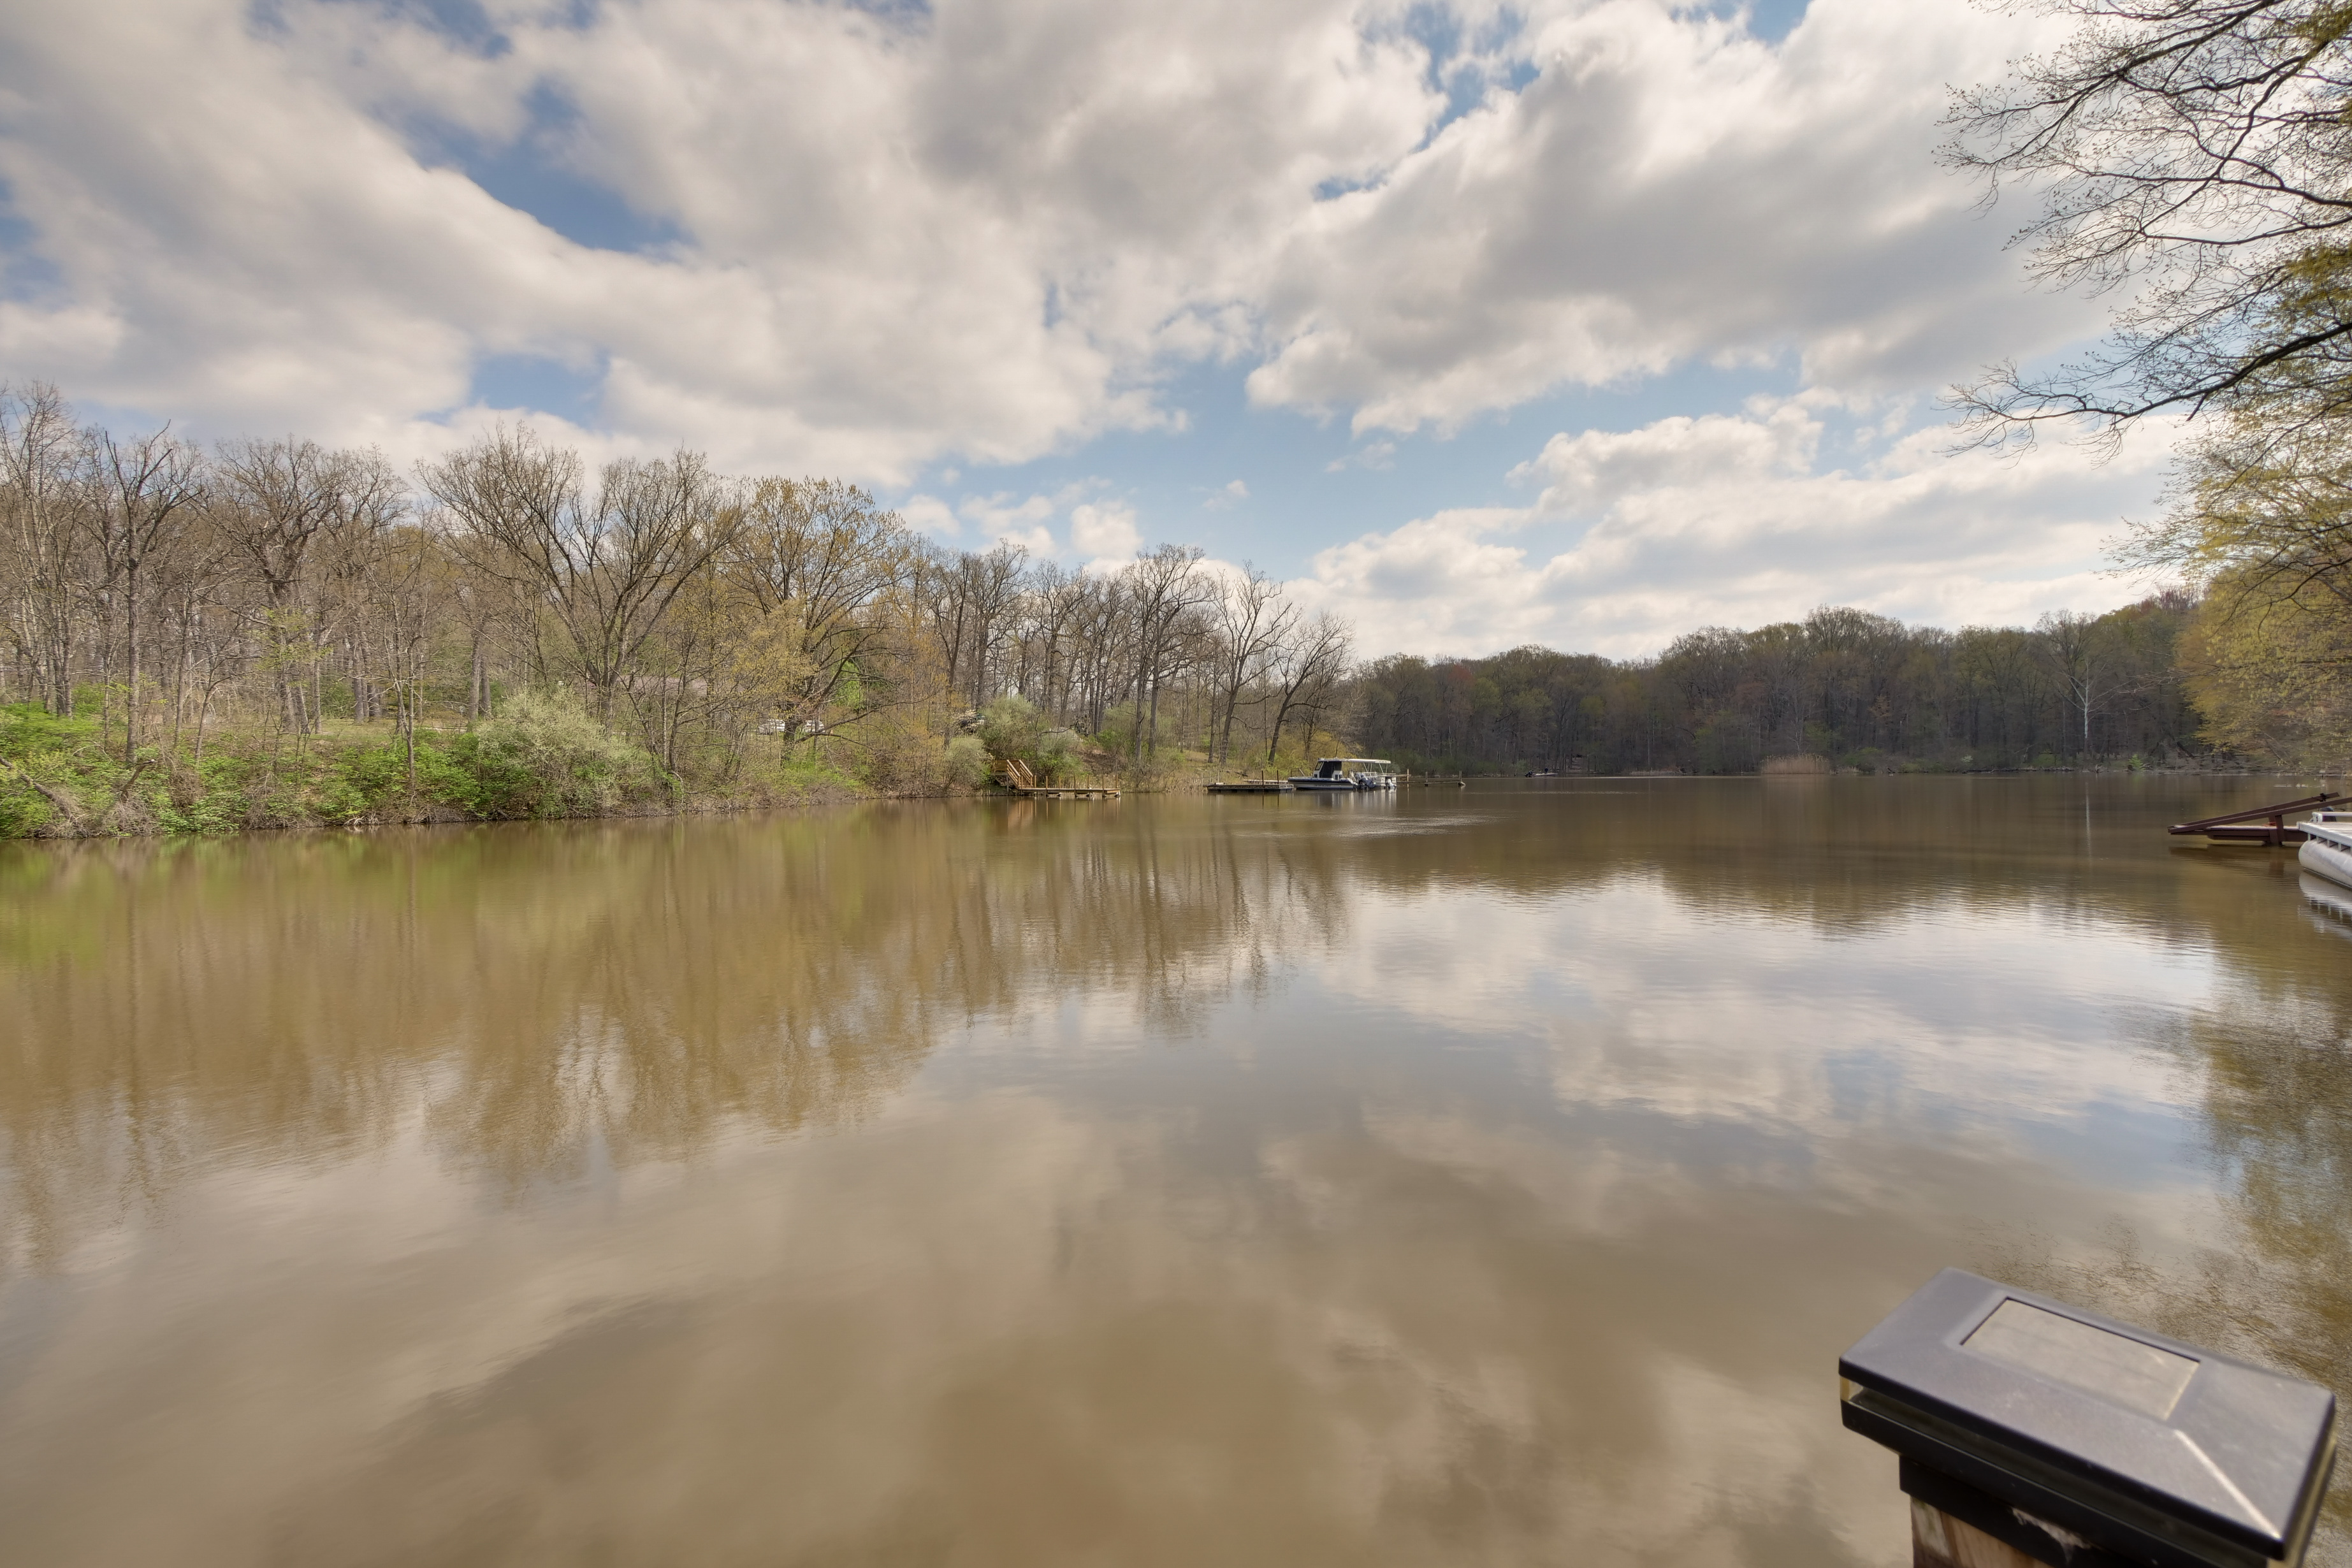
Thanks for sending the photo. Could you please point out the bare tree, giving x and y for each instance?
(277, 501)
(39, 452)
(1307, 674)
(608, 572)
(230, 596)
(823, 554)
(1252, 621)
(513, 511)
(1163, 588)
(2070, 643)
(968, 601)
(409, 582)
(1058, 598)
(143, 494)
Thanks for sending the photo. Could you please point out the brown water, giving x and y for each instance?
(1469, 1178)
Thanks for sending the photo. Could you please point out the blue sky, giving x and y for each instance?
(1308, 481)
(1584, 322)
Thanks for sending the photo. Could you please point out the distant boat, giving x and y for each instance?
(1348, 772)
(2326, 848)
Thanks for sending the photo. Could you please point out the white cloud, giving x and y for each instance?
(1729, 521)
(1020, 520)
(1100, 530)
(930, 514)
(1106, 531)
(1377, 456)
(1666, 188)
(968, 232)
(989, 228)
(866, 242)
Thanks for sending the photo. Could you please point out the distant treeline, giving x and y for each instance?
(1855, 689)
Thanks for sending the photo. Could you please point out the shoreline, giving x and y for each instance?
(113, 822)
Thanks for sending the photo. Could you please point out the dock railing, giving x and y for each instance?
(2239, 827)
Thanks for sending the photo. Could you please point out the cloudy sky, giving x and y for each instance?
(1579, 322)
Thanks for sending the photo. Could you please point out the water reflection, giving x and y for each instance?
(2331, 905)
(547, 996)
(1462, 1176)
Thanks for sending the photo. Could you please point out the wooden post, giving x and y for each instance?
(1939, 1540)
(2031, 1431)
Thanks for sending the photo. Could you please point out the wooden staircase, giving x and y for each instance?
(1015, 775)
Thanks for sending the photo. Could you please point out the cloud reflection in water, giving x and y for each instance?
(1492, 1182)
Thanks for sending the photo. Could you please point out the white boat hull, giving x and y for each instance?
(2326, 855)
(1336, 774)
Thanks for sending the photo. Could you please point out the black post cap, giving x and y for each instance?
(2140, 1444)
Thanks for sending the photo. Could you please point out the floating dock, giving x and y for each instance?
(2261, 825)
(1250, 786)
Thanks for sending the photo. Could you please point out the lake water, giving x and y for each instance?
(1482, 1176)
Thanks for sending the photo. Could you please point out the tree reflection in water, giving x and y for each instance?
(1484, 1177)
(554, 994)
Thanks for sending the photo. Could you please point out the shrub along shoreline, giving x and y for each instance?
(541, 758)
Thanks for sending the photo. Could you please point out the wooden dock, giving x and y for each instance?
(1250, 786)
(2262, 825)
(1013, 775)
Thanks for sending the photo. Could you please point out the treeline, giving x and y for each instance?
(270, 631)
(1853, 689)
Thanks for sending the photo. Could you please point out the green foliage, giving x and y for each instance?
(544, 755)
(53, 751)
(1120, 721)
(967, 760)
(2261, 517)
(2271, 676)
(1117, 735)
(1011, 727)
(1056, 758)
(28, 730)
(813, 778)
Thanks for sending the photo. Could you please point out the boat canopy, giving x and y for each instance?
(1359, 764)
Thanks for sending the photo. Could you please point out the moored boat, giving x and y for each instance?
(2326, 847)
(1348, 772)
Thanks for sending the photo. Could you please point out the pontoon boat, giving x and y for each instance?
(1348, 772)
(2327, 845)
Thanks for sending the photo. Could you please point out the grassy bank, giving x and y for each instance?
(541, 757)
(59, 778)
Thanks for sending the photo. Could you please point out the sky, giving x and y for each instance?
(1585, 323)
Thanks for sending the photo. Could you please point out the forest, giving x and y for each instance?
(270, 633)
(1842, 687)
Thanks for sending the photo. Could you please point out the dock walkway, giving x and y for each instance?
(1013, 775)
(2259, 824)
